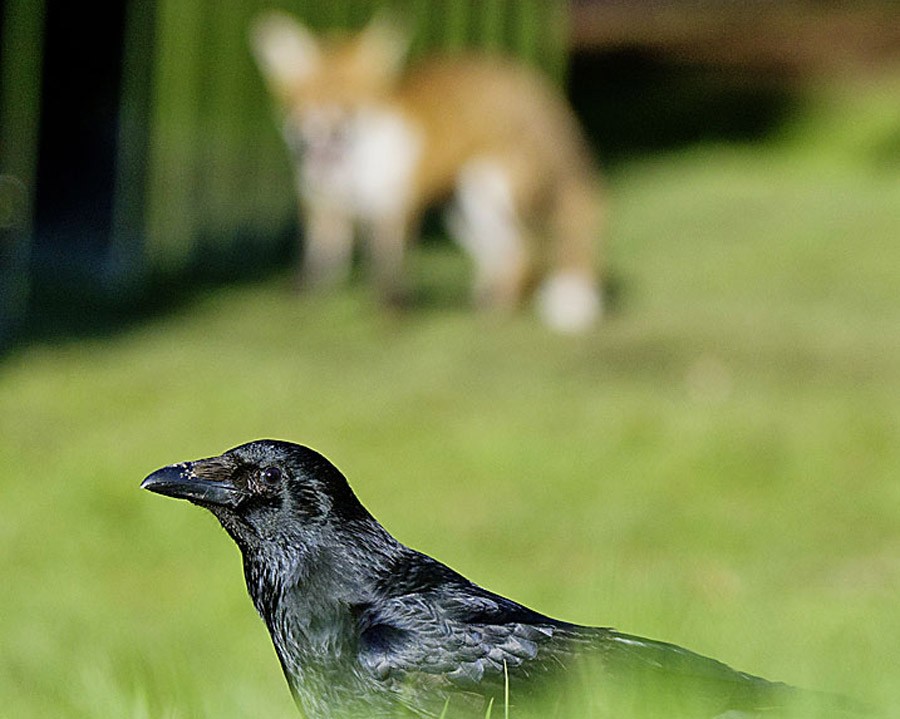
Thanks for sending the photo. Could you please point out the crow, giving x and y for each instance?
(365, 626)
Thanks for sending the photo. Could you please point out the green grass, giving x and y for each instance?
(716, 465)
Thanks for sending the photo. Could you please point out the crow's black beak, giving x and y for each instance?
(188, 480)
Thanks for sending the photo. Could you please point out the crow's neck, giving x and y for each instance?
(307, 590)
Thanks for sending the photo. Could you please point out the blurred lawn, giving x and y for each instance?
(717, 465)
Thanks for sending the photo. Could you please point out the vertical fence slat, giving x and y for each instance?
(21, 46)
(490, 24)
(456, 15)
(272, 192)
(525, 31)
(269, 187)
(174, 158)
(129, 201)
(223, 121)
(421, 18)
(553, 45)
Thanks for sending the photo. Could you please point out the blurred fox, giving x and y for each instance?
(374, 146)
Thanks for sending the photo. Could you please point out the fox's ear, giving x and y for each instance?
(287, 52)
(384, 44)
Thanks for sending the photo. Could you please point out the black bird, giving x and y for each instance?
(367, 627)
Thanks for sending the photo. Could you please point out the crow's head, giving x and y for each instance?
(263, 491)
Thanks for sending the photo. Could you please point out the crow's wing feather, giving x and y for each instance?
(427, 619)
(416, 633)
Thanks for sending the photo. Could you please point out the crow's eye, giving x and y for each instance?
(271, 476)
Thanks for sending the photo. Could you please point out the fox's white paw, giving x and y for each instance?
(569, 302)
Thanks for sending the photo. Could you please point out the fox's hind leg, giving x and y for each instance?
(570, 298)
(484, 221)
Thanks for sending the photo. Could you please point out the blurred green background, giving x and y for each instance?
(715, 465)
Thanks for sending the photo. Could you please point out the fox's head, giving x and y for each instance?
(323, 84)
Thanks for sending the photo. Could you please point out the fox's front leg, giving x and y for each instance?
(386, 243)
(328, 246)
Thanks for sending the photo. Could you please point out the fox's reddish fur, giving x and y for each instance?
(376, 145)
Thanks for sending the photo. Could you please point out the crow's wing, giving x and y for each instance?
(440, 630)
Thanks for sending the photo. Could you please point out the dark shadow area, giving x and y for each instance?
(78, 145)
(60, 311)
(13, 256)
(634, 103)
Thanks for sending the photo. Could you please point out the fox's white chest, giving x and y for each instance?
(362, 162)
